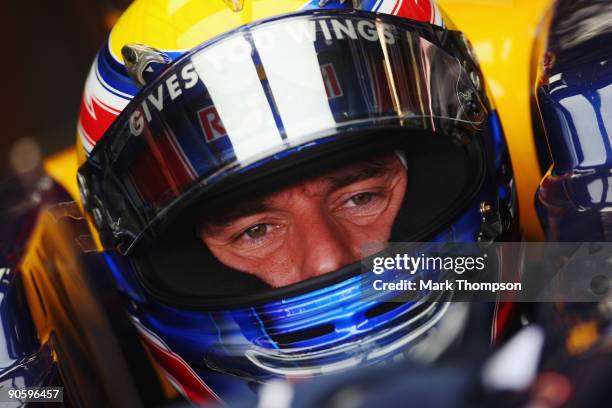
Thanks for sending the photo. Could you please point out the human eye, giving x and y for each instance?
(257, 235)
(361, 199)
(256, 231)
(360, 205)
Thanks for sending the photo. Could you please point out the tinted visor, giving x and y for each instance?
(271, 92)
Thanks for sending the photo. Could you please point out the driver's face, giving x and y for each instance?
(312, 227)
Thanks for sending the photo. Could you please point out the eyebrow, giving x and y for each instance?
(234, 213)
(366, 171)
(372, 169)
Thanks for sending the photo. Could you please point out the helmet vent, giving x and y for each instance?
(303, 335)
(381, 309)
(395, 303)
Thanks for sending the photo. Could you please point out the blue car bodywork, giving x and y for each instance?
(574, 96)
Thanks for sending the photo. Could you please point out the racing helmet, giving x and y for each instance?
(194, 107)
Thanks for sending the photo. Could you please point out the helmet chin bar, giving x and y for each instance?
(304, 362)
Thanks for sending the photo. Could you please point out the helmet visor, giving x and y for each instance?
(272, 90)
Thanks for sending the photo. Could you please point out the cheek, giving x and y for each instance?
(276, 269)
(279, 269)
(378, 232)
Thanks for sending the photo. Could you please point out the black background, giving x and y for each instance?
(48, 47)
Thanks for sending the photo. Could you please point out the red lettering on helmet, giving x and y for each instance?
(330, 79)
(211, 123)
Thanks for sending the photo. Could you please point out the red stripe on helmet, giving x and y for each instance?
(420, 10)
(189, 383)
(95, 117)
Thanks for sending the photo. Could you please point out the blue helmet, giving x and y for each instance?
(265, 106)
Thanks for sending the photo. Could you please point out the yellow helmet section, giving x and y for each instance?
(168, 25)
(502, 33)
(178, 25)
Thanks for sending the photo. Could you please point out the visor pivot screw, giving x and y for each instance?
(485, 208)
(492, 224)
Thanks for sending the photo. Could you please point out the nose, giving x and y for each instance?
(326, 247)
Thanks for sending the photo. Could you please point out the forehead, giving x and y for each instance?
(375, 166)
(382, 165)
(379, 166)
